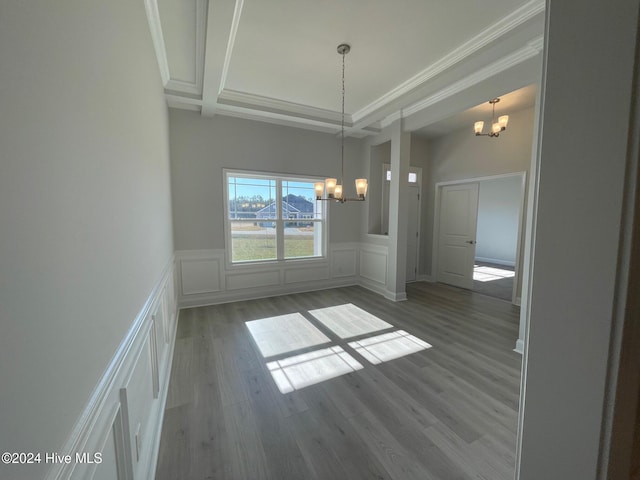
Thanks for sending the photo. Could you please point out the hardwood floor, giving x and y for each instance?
(445, 413)
(496, 283)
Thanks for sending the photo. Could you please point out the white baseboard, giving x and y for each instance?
(104, 417)
(519, 347)
(396, 296)
(372, 286)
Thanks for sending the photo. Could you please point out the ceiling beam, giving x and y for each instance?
(223, 18)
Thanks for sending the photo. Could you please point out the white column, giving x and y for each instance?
(577, 277)
(398, 203)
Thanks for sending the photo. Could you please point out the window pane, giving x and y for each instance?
(251, 198)
(302, 239)
(252, 241)
(298, 201)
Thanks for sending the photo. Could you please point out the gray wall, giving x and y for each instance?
(498, 213)
(84, 205)
(202, 147)
(578, 280)
(461, 155)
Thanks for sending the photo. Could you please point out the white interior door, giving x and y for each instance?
(413, 233)
(457, 234)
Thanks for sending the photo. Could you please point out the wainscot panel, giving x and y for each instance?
(200, 275)
(373, 263)
(344, 261)
(307, 274)
(243, 282)
(252, 278)
(118, 433)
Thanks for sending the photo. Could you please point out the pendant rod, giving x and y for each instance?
(344, 52)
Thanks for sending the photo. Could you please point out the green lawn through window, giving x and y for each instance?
(263, 247)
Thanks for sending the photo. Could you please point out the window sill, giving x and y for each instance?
(270, 264)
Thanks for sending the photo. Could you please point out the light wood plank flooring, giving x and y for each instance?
(445, 413)
(500, 285)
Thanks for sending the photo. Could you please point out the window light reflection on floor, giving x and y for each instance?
(284, 334)
(348, 320)
(388, 346)
(299, 371)
(489, 274)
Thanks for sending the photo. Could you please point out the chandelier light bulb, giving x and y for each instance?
(361, 187)
(477, 127)
(330, 184)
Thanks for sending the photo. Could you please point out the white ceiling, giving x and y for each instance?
(276, 60)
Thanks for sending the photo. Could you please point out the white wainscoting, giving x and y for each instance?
(373, 264)
(205, 278)
(123, 418)
(248, 278)
(305, 274)
(344, 260)
(200, 275)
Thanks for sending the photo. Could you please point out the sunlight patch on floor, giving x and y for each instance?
(299, 371)
(489, 274)
(284, 334)
(388, 346)
(348, 321)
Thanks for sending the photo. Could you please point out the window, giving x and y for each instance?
(272, 217)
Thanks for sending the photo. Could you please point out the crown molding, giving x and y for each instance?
(181, 86)
(155, 26)
(531, 49)
(537, 43)
(153, 17)
(249, 113)
(216, 28)
(235, 22)
(389, 119)
(468, 48)
(268, 104)
(285, 118)
(176, 100)
(201, 36)
(223, 18)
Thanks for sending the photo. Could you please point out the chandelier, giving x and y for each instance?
(331, 185)
(496, 127)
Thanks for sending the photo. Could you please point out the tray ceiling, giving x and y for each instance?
(276, 61)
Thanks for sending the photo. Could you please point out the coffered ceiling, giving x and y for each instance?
(276, 60)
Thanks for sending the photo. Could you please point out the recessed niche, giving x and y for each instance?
(378, 201)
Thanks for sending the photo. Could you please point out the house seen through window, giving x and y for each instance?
(273, 217)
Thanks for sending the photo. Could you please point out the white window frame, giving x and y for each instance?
(279, 178)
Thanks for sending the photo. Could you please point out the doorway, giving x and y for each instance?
(414, 189)
(477, 239)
